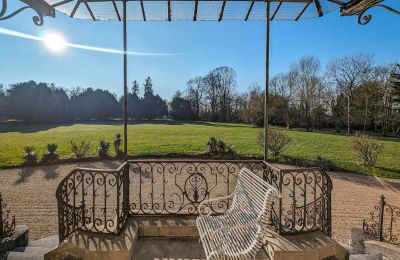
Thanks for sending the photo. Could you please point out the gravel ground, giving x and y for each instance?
(29, 192)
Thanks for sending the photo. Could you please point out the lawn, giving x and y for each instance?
(189, 138)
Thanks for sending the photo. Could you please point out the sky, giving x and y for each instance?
(178, 51)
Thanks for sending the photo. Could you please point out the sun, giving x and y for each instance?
(54, 42)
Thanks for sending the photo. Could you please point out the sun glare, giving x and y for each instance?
(54, 42)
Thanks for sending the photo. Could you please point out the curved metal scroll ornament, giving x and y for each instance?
(7, 223)
(196, 188)
(364, 18)
(41, 8)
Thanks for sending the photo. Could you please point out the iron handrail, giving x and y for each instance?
(187, 177)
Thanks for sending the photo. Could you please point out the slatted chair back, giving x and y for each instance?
(253, 195)
(238, 233)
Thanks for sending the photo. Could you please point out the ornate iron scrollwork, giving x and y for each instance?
(41, 7)
(7, 223)
(365, 18)
(383, 223)
(360, 7)
(196, 188)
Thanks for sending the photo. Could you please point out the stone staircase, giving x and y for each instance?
(357, 255)
(35, 250)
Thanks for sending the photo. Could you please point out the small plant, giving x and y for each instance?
(365, 149)
(212, 145)
(51, 153)
(218, 147)
(117, 145)
(30, 157)
(325, 164)
(103, 148)
(81, 149)
(277, 141)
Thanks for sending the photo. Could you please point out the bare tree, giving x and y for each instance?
(220, 88)
(195, 93)
(284, 85)
(211, 89)
(307, 76)
(255, 107)
(348, 74)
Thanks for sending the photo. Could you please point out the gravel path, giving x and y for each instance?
(29, 192)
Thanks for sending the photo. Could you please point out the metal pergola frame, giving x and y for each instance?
(48, 7)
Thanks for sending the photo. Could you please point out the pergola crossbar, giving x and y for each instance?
(199, 10)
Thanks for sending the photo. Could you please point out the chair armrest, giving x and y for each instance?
(212, 200)
(219, 230)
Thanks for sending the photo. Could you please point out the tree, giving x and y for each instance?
(181, 108)
(135, 103)
(211, 84)
(153, 106)
(195, 90)
(34, 102)
(148, 88)
(377, 103)
(227, 85)
(395, 84)
(309, 89)
(395, 98)
(220, 85)
(135, 88)
(95, 104)
(284, 85)
(348, 74)
(239, 108)
(255, 108)
(2, 102)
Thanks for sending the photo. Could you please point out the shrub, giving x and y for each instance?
(51, 153)
(30, 155)
(365, 149)
(117, 145)
(81, 149)
(277, 141)
(218, 147)
(325, 164)
(103, 148)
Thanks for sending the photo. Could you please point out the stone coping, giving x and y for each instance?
(18, 239)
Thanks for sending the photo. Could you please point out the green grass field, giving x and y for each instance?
(162, 138)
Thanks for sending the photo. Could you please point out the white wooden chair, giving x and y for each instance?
(239, 232)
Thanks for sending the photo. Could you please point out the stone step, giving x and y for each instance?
(367, 257)
(351, 250)
(32, 250)
(23, 256)
(47, 242)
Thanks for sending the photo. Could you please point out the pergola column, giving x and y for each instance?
(125, 85)
(266, 91)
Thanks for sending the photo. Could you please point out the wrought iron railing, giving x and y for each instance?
(384, 223)
(305, 205)
(93, 200)
(178, 186)
(100, 200)
(7, 223)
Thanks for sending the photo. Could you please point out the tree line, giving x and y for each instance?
(33, 102)
(350, 93)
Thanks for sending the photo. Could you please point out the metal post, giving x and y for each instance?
(381, 212)
(266, 83)
(1, 216)
(125, 87)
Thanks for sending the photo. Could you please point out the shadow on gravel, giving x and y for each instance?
(367, 180)
(50, 173)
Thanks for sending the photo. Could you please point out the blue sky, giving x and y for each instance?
(199, 47)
